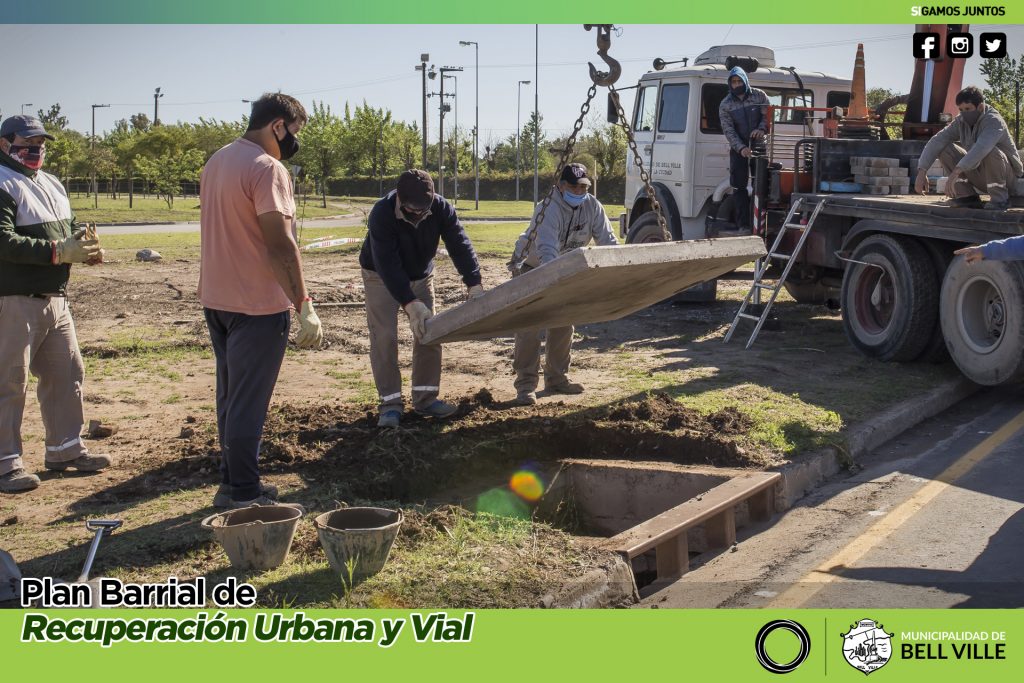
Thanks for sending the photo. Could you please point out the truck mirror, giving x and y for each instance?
(613, 109)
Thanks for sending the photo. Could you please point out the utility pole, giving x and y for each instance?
(476, 122)
(519, 92)
(455, 138)
(440, 152)
(536, 113)
(424, 58)
(92, 153)
(27, 104)
(156, 107)
(1016, 115)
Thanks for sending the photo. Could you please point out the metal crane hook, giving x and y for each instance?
(604, 41)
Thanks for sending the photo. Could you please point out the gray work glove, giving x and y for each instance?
(418, 314)
(311, 332)
(74, 250)
(475, 291)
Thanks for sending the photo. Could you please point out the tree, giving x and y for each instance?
(320, 143)
(606, 144)
(140, 122)
(167, 172)
(52, 119)
(1004, 77)
(64, 152)
(875, 96)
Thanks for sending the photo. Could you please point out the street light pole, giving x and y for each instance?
(455, 138)
(92, 153)
(27, 104)
(156, 107)
(519, 92)
(440, 136)
(424, 58)
(476, 123)
(536, 113)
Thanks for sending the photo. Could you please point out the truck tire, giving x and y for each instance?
(645, 230)
(982, 315)
(890, 306)
(941, 254)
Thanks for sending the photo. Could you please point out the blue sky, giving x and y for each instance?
(206, 70)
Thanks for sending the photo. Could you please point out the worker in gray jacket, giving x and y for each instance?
(573, 219)
(977, 154)
(744, 123)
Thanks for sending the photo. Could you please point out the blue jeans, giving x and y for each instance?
(249, 350)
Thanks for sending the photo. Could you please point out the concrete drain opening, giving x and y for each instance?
(657, 515)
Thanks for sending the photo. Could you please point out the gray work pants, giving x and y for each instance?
(382, 321)
(994, 175)
(557, 356)
(37, 335)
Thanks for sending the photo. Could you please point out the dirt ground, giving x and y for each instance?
(660, 385)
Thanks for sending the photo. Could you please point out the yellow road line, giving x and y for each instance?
(831, 569)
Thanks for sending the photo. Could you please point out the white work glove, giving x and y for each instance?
(475, 291)
(418, 314)
(74, 250)
(311, 332)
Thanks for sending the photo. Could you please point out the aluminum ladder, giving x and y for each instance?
(774, 255)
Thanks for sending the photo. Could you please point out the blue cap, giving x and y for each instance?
(25, 126)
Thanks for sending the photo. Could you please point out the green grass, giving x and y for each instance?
(154, 209)
(489, 208)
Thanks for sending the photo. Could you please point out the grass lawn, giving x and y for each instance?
(488, 208)
(154, 210)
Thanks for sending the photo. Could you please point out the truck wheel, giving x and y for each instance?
(890, 298)
(941, 254)
(645, 230)
(982, 315)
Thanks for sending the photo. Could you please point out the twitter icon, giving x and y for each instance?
(993, 46)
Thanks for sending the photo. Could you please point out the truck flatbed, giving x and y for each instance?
(917, 209)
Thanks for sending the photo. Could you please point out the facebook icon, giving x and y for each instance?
(926, 45)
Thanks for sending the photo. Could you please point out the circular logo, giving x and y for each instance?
(771, 627)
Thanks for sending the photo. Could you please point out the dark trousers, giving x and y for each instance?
(249, 350)
(739, 174)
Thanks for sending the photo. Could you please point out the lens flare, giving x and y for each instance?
(500, 501)
(527, 485)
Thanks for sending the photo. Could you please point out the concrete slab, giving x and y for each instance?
(590, 285)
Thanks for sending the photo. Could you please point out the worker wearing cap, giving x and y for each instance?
(250, 278)
(573, 219)
(976, 152)
(397, 259)
(742, 115)
(39, 241)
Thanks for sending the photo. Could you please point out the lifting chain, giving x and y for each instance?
(599, 78)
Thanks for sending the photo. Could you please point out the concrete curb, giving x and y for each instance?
(800, 477)
(609, 586)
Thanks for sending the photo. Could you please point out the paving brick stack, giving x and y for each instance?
(880, 175)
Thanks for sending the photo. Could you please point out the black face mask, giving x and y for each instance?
(288, 146)
(739, 90)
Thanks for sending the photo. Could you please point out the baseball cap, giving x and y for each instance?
(415, 189)
(24, 125)
(575, 174)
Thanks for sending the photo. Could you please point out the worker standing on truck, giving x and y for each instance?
(39, 240)
(977, 154)
(573, 218)
(743, 114)
(397, 260)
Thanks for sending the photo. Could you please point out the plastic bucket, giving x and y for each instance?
(362, 535)
(256, 537)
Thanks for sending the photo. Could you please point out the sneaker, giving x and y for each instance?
(525, 398)
(970, 201)
(17, 481)
(389, 418)
(565, 388)
(83, 463)
(439, 408)
(264, 501)
(222, 498)
(997, 206)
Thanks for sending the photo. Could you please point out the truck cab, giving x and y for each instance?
(679, 136)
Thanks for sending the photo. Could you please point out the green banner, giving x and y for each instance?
(526, 645)
(520, 12)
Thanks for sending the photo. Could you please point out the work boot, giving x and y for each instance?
(565, 387)
(17, 481)
(525, 398)
(997, 206)
(389, 419)
(438, 409)
(972, 201)
(222, 498)
(83, 463)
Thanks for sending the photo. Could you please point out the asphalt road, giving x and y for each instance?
(934, 519)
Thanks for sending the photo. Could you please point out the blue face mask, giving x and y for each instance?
(574, 200)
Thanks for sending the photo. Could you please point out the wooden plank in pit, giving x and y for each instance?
(590, 285)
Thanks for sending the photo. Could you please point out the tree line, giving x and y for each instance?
(364, 142)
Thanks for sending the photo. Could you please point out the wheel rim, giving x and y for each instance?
(874, 299)
(981, 314)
